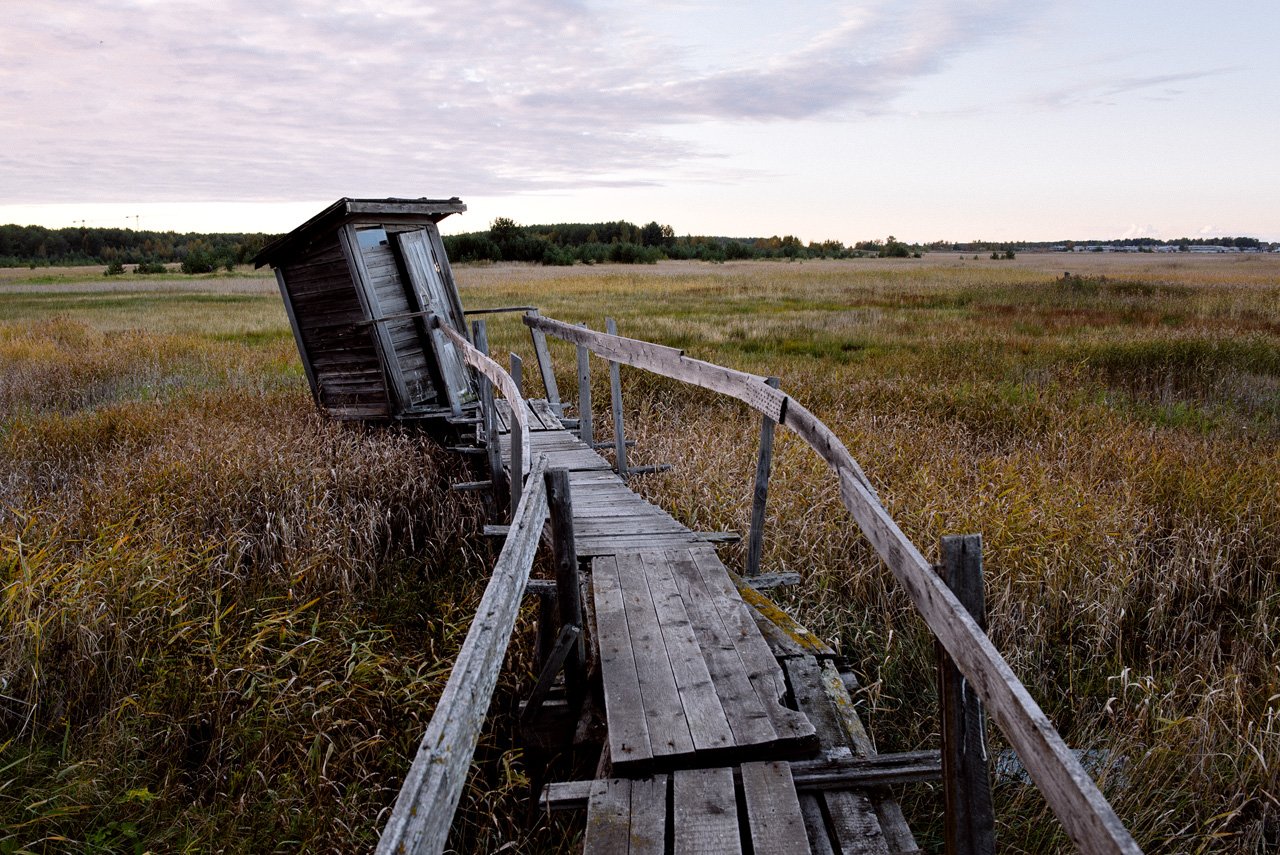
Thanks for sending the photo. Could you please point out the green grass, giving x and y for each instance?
(226, 620)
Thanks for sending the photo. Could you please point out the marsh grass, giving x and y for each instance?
(226, 620)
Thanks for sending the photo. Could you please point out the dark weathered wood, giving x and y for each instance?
(765, 581)
(969, 821)
(816, 825)
(423, 811)
(585, 429)
(568, 589)
(855, 826)
(836, 772)
(570, 635)
(706, 813)
(615, 406)
(517, 409)
(760, 495)
(297, 336)
(773, 809)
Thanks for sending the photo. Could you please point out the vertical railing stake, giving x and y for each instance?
(543, 355)
(615, 403)
(568, 589)
(516, 437)
(760, 496)
(585, 431)
(489, 417)
(969, 824)
(517, 373)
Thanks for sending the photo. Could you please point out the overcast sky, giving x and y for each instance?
(927, 120)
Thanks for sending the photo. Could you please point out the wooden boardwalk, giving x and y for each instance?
(720, 737)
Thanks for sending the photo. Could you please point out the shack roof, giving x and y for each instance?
(345, 210)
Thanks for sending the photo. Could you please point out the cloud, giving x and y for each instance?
(1105, 90)
(233, 99)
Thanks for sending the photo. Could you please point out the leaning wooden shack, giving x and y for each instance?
(366, 284)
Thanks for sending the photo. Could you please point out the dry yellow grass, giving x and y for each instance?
(195, 564)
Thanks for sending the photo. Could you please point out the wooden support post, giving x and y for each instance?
(764, 465)
(585, 431)
(969, 825)
(543, 355)
(615, 403)
(489, 419)
(568, 590)
(547, 620)
(516, 438)
(517, 373)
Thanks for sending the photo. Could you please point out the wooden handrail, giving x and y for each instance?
(1084, 812)
(502, 380)
(423, 811)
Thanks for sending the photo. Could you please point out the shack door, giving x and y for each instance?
(424, 275)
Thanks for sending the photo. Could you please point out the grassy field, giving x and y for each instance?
(226, 620)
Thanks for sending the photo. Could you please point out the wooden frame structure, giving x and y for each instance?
(1084, 812)
(948, 598)
(368, 290)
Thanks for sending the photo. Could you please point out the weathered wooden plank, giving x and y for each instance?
(423, 811)
(628, 735)
(854, 824)
(837, 771)
(773, 809)
(660, 697)
(649, 816)
(708, 723)
(706, 812)
(543, 356)
(748, 718)
(816, 825)
(762, 668)
(608, 817)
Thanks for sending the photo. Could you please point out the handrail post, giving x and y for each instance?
(543, 355)
(568, 588)
(969, 824)
(615, 404)
(759, 497)
(489, 417)
(585, 431)
(516, 438)
(517, 373)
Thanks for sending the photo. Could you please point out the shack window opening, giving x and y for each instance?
(371, 237)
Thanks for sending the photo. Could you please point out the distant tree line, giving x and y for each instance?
(36, 246)
(623, 242)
